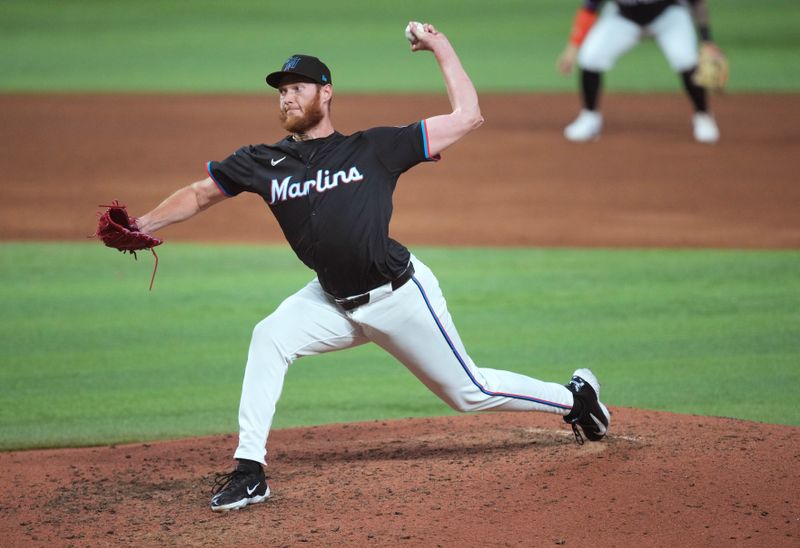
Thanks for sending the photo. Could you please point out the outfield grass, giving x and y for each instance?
(210, 46)
(90, 357)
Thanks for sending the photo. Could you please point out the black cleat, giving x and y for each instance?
(238, 489)
(588, 413)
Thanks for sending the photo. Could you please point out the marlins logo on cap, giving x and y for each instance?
(301, 65)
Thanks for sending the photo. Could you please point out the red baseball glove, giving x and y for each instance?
(118, 230)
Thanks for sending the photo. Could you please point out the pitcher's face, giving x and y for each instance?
(301, 105)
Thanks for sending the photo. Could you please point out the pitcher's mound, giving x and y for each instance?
(506, 479)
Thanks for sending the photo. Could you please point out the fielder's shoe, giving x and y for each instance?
(238, 489)
(588, 413)
(586, 126)
(705, 128)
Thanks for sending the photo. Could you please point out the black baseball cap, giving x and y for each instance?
(301, 65)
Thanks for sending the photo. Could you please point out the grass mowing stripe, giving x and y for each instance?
(90, 356)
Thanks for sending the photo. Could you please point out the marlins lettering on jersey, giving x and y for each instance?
(280, 191)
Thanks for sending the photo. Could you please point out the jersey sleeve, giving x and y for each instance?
(401, 148)
(585, 18)
(234, 174)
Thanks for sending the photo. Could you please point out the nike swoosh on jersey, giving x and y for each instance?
(276, 162)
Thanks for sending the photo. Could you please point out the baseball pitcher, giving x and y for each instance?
(332, 196)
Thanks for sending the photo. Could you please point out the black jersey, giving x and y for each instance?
(333, 199)
(641, 12)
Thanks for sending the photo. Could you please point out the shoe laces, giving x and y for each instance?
(577, 432)
(222, 481)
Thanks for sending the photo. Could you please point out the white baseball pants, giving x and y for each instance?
(411, 323)
(613, 35)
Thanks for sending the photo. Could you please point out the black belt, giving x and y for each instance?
(352, 303)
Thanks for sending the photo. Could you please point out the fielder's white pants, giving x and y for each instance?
(613, 35)
(412, 324)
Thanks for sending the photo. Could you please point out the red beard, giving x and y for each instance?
(312, 115)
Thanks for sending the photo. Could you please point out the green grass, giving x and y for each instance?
(211, 46)
(89, 356)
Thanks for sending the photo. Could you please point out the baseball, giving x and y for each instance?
(417, 26)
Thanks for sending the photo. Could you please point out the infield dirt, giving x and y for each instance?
(514, 182)
(490, 480)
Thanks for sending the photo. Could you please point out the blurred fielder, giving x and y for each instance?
(598, 42)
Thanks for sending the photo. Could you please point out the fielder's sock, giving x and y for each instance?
(590, 88)
(697, 94)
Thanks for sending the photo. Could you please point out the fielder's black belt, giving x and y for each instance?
(351, 303)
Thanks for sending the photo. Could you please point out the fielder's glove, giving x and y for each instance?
(713, 68)
(118, 230)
